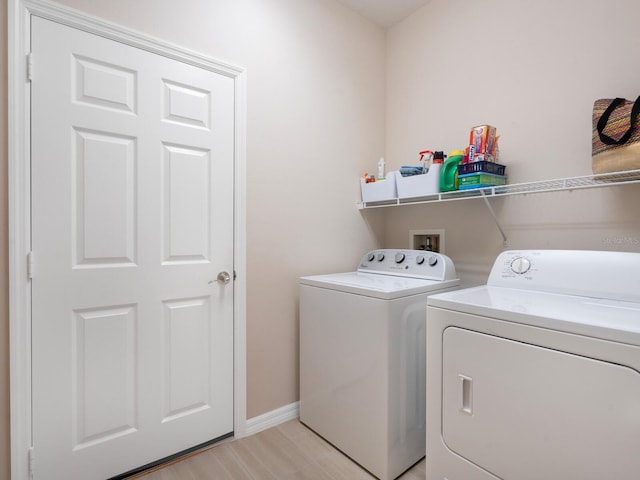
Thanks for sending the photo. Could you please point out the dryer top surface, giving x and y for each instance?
(607, 319)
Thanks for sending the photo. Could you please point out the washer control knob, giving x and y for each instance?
(420, 259)
(520, 265)
(400, 257)
(433, 260)
(371, 257)
(380, 257)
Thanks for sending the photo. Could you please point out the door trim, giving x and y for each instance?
(19, 139)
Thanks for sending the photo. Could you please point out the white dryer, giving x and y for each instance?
(536, 374)
(362, 356)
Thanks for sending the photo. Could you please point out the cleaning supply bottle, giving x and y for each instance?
(426, 160)
(433, 175)
(449, 175)
(381, 169)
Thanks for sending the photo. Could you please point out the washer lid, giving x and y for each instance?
(614, 320)
(378, 286)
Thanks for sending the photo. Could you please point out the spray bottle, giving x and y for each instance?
(426, 160)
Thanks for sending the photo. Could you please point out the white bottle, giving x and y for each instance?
(433, 177)
(380, 169)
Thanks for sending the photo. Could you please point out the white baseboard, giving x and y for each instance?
(272, 418)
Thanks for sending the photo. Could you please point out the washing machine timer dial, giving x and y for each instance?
(520, 265)
(399, 258)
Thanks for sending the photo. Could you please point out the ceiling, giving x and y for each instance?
(384, 12)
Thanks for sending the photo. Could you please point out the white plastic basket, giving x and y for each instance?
(419, 185)
(380, 190)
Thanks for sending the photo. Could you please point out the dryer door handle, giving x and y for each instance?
(465, 394)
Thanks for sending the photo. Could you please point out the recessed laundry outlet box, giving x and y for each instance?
(431, 240)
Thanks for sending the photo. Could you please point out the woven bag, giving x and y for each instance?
(615, 135)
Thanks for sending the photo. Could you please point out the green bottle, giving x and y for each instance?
(449, 174)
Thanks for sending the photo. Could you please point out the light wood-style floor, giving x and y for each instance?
(286, 452)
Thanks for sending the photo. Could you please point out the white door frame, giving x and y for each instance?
(19, 137)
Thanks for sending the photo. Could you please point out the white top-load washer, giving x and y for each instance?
(362, 356)
(536, 375)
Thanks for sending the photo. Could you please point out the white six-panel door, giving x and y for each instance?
(132, 220)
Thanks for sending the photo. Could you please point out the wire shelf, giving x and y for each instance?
(572, 183)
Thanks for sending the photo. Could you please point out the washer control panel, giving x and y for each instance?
(408, 263)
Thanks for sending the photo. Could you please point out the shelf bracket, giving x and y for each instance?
(495, 218)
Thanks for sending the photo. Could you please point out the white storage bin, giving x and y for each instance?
(380, 190)
(419, 185)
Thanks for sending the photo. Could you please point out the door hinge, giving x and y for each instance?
(30, 66)
(30, 265)
(32, 462)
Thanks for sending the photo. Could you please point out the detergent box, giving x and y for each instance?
(482, 143)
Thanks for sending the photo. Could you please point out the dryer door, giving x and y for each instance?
(522, 411)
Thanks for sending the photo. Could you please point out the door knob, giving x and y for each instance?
(224, 278)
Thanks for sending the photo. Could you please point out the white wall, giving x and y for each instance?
(315, 87)
(533, 70)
